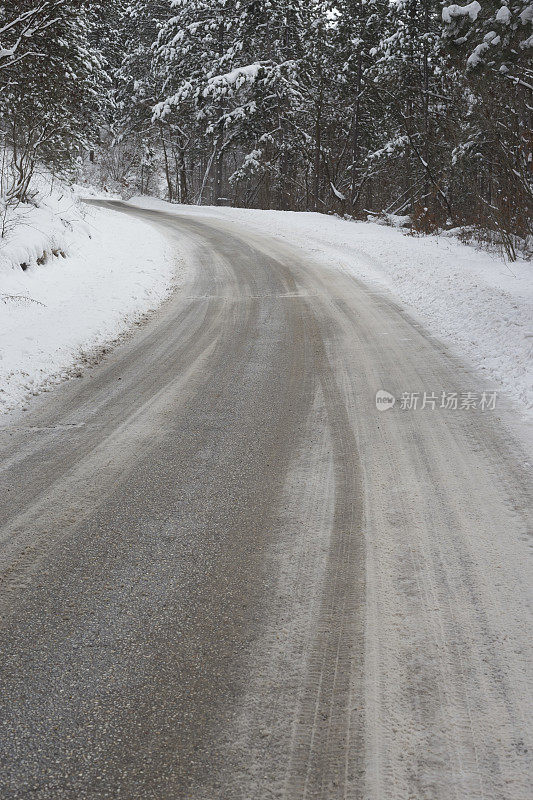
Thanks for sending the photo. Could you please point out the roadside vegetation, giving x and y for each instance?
(415, 109)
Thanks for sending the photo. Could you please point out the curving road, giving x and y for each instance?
(224, 574)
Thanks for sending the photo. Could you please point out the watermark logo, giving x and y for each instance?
(448, 401)
(384, 400)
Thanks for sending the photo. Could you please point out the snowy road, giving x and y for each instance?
(225, 575)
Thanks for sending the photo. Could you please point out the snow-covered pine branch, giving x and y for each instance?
(19, 32)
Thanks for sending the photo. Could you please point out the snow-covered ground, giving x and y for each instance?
(52, 315)
(101, 273)
(479, 305)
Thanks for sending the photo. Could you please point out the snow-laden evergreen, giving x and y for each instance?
(52, 84)
(419, 108)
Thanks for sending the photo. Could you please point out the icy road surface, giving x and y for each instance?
(224, 575)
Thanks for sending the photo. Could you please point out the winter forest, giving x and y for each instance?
(414, 108)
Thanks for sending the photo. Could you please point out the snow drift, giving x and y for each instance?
(72, 280)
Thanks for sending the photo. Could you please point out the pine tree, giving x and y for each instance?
(50, 89)
(193, 47)
(333, 105)
(489, 48)
(410, 84)
(357, 32)
(233, 71)
(139, 145)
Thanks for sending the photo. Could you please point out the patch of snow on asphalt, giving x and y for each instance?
(476, 303)
(53, 315)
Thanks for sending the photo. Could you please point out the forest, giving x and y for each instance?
(414, 108)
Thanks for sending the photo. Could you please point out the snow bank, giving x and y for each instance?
(57, 312)
(33, 233)
(481, 307)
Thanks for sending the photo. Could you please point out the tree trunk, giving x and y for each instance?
(184, 193)
(167, 169)
(318, 152)
(219, 172)
(356, 128)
